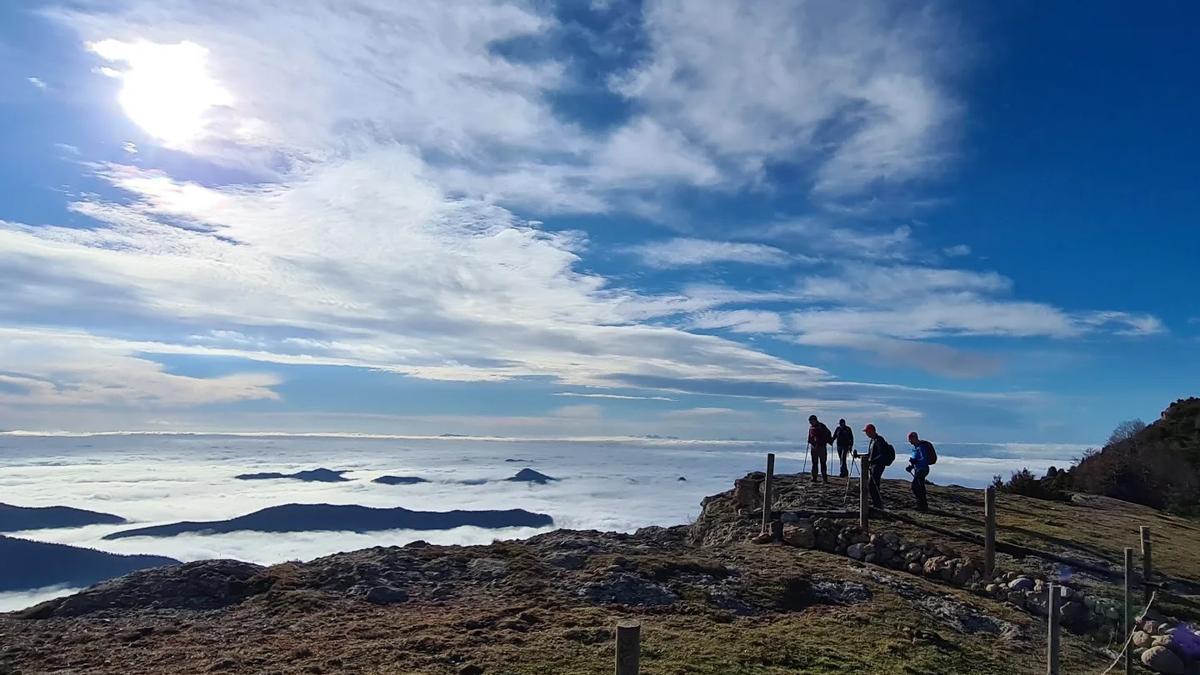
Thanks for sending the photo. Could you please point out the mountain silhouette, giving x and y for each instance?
(35, 564)
(399, 480)
(344, 518)
(530, 476)
(321, 475)
(16, 518)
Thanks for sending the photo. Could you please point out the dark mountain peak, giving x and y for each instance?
(16, 518)
(531, 476)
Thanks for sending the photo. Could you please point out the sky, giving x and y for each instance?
(702, 219)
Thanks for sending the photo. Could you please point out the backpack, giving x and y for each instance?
(826, 434)
(930, 453)
(886, 452)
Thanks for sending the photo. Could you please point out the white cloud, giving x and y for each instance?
(51, 368)
(364, 263)
(683, 252)
(619, 397)
(956, 251)
(738, 321)
(855, 87)
(37, 82)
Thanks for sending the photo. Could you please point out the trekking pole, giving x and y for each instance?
(804, 467)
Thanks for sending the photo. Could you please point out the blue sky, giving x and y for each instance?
(696, 219)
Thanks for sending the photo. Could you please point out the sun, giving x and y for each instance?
(166, 88)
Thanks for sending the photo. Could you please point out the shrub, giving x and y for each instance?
(1024, 482)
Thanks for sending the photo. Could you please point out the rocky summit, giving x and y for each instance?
(715, 596)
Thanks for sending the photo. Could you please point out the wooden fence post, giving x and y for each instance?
(1147, 566)
(629, 638)
(864, 504)
(1052, 610)
(768, 492)
(1127, 616)
(989, 532)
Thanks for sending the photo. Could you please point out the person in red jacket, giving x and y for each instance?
(819, 438)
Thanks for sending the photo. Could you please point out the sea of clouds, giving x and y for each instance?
(605, 484)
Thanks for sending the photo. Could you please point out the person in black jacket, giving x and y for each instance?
(844, 438)
(880, 453)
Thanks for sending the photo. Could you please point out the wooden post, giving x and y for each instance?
(1147, 566)
(989, 532)
(864, 504)
(1127, 621)
(1052, 611)
(768, 491)
(629, 638)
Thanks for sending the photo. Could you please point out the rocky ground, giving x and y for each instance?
(710, 600)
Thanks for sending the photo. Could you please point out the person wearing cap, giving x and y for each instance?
(819, 439)
(879, 454)
(918, 466)
(844, 438)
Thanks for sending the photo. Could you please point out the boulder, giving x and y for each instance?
(746, 493)
(1162, 641)
(1142, 639)
(855, 551)
(1073, 613)
(914, 568)
(801, 536)
(1021, 584)
(1162, 660)
(385, 595)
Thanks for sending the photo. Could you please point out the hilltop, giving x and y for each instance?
(832, 599)
(36, 564)
(1158, 465)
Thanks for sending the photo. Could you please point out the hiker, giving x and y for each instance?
(819, 439)
(923, 455)
(844, 438)
(880, 455)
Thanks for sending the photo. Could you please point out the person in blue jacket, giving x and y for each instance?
(918, 466)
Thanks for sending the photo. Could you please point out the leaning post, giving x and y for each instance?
(989, 532)
(629, 637)
(1052, 612)
(768, 492)
(1127, 614)
(1147, 566)
(864, 504)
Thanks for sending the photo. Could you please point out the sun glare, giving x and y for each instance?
(166, 88)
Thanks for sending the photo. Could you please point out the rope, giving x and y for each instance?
(1129, 639)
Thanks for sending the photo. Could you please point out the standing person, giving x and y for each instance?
(819, 439)
(923, 454)
(880, 455)
(844, 438)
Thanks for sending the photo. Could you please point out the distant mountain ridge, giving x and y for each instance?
(321, 475)
(344, 517)
(34, 564)
(17, 518)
